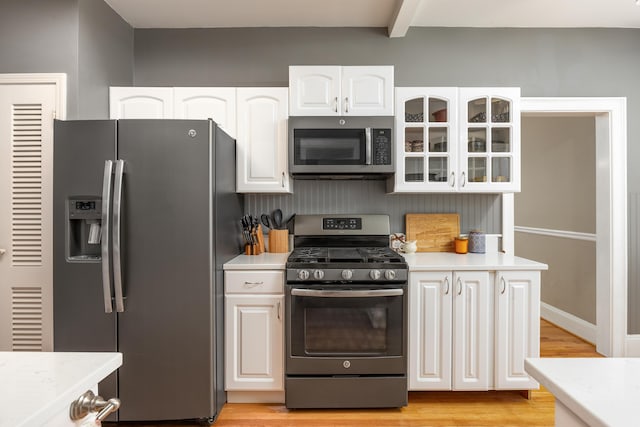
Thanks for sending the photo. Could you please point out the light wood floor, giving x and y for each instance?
(477, 409)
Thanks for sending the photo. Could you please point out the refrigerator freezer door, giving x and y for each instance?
(79, 318)
(166, 332)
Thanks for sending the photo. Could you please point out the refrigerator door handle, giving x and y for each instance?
(117, 223)
(105, 240)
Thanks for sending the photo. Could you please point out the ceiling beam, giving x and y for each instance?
(402, 17)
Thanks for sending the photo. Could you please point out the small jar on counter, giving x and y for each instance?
(477, 244)
(461, 245)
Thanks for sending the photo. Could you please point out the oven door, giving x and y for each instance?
(346, 330)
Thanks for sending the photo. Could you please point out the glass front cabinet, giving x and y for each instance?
(457, 140)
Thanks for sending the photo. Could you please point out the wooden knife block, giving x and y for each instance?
(278, 240)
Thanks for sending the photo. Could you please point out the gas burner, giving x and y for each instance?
(381, 254)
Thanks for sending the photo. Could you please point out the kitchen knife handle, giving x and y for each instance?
(105, 238)
(367, 136)
(117, 227)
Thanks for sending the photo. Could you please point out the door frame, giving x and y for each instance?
(611, 218)
(59, 80)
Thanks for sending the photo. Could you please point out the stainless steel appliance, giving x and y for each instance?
(145, 214)
(341, 147)
(346, 322)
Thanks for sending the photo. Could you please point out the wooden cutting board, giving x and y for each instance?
(434, 232)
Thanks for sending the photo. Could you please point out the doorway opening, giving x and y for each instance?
(611, 215)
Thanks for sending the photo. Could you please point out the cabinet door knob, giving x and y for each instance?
(504, 285)
(446, 281)
(459, 286)
(453, 179)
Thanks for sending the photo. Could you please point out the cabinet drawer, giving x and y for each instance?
(255, 281)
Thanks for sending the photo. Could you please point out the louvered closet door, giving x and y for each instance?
(26, 188)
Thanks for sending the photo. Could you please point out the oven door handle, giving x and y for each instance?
(369, 293)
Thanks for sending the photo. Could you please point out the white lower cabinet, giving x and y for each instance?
(452, 319)
(254, 330)
(517, 327)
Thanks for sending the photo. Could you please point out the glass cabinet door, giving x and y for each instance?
(492, 133)
(426, 136)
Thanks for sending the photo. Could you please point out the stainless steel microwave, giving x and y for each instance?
(341, 147)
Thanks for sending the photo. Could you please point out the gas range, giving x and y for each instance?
(346, 305)
(344, 249)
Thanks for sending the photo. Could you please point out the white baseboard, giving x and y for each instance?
(632, 346)
(577, 326)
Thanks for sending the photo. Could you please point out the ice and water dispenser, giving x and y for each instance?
(84, 228)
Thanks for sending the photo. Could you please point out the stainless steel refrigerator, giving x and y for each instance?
(145, 215)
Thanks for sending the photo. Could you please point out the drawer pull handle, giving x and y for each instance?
(279, 316)
(252, 284)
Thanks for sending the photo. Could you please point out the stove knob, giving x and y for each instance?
(318, 274)
(390, 274)
(303, 274)
(347, 274)
(375, 274)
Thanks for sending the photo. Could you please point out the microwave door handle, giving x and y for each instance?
(369, 293)
(105, 238)
(367, 136)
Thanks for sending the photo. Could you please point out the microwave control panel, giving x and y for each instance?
(381, 146)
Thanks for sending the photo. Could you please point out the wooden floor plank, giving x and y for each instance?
(425, 409)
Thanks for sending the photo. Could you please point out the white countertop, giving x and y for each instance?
(436, 261)
(265, 261)
(34, 386)
(600, 391)
(423, 261)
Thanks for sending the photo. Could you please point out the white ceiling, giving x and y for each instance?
(397, 15)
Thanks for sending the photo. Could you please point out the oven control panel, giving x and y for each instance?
(342, 223)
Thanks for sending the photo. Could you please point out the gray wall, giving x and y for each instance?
(85, 39)
(558, 193)
(41, 36)
(105, 52)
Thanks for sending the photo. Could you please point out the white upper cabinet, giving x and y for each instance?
(489, 159)
(334, 90)
(140, 103)
(262, 141)
(426, 136)
(457, 140)
(216, 103)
